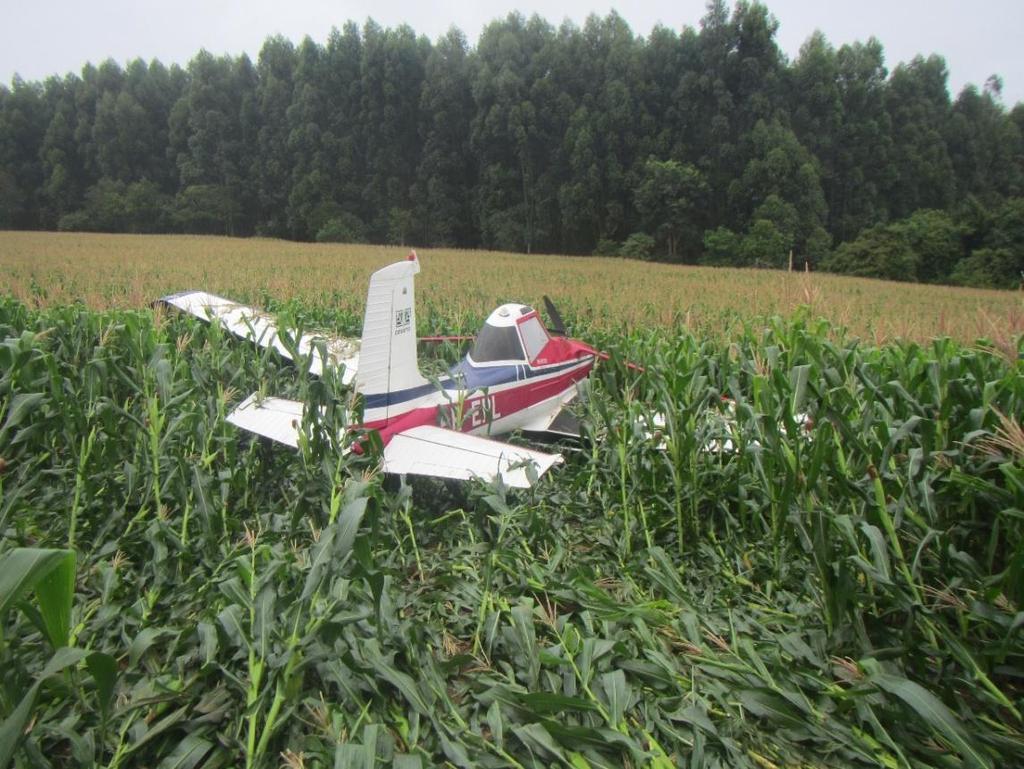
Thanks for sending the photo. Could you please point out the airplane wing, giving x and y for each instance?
(444, 453)
(257, 326)
(425, 450)
(723, 427)
(275, 418)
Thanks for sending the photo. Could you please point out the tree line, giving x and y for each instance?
(705, 145)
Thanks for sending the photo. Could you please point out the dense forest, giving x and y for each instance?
(706, 145)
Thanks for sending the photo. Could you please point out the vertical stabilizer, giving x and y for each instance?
(387, 358)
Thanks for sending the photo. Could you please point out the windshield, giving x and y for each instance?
(534, 336)
(495, 343)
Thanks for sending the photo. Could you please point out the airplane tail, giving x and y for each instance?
(387, 356)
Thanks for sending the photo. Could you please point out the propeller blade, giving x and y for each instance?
(557, 327)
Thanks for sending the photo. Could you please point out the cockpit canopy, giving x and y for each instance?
(512, 334)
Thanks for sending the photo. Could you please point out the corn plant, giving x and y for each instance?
(816, 561)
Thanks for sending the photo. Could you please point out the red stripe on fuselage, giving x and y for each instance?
(507, 402)
(480, 410)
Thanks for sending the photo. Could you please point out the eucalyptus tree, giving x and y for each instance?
(510, 139)
(272, 164)
(917, 100)
(602, 135)
(446, 174)
(345, 135)
(816, 109)
(392, 73)
(310, 198)
(863, 172)
(22, 128)
(982, 139)
(216, 141)
(780, 184)
(65, 178)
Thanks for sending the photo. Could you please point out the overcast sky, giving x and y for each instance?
(39, 38)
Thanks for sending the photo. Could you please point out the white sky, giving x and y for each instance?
(39, 38)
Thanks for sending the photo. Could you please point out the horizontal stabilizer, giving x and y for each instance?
(274, 418)
(257, 326)
(443, 453)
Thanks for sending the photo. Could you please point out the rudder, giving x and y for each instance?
(387, 357)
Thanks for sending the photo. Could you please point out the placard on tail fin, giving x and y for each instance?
(387, 356)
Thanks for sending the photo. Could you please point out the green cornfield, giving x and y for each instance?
(50, 269)
(842, 593)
